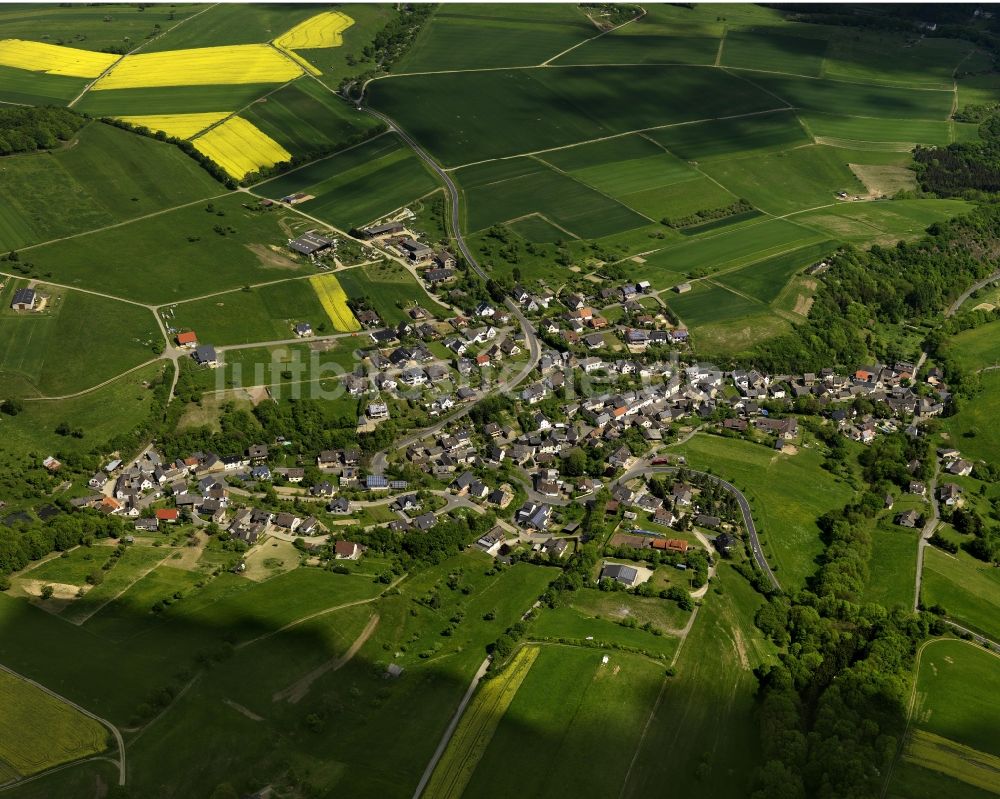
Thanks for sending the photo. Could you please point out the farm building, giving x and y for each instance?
(310, 243)
(25, 300)
(188, 340)
(388, 229)
(414, 250)
(303, 329)
(682, 288)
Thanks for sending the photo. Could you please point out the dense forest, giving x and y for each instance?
(25, 130)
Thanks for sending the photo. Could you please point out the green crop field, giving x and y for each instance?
(788, 531)
(774, 49)
(91, 27)
(945, 704)
(358, 185)
(710, 303)
(881, 221)
(172, 99)
(460, 120)
(889, 57)
(780, 183)
(706, 715)
(47, 352)
(651, 40)
(186, 252)
(38, 731)
(79, 188)
(136, 561)
(305, 117)
(733, 138)
(389, 288)
(968, 589)
(874, 133)
(37, 88)
(265, 313)
(225, 24)
(910, 781)
(567, 695)
(507, 190)
(464, 36)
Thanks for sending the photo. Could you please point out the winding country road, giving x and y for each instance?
(644, 467)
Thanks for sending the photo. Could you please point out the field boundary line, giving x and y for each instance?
(99, 386)
(108, 601)
(104, 722)
(239, 111)
(592, 38)
(722, 42)
(318, 160)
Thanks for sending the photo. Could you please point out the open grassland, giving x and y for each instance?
(183, 126)
(968, 589)
(893, 566)
(171, 99)
(357, 185)
(973, 428)
(976, 348)
(780, 183)
(265, 313)
(52, 59)
(178, 254)
(572, 727)
(706, 716)
(322, 30)
(37, 88)
(76, 342)
(733, 138)
(651, 39)
(33, 430)
(466, 117)
(945, 704)
(774, 49)
(389, 288)
(475, 731)
(334, 301)
(788, 531)
(305, 117)
(880, 221)
(765, 280)
(463, 36)
(108, 176)
(240, 148)
(206, 66)
(38, 731)
(506, 190)
(91, 27)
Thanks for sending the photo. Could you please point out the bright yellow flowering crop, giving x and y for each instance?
(334, 301)
(183, 126)
(239, 147)
(53, 59)
(322, 30)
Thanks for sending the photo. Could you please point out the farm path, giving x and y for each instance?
(297, 691)
(111, 727)
(929, 526)
(452, 725)
(598, 36)
(100, 385)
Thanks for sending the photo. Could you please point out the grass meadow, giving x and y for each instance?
(968, 589)
(974, 426)
(788, 531)
(37, 88)
(358, 185)
(172, 99)
(975, 348)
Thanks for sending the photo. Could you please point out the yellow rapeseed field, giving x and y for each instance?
(183, 126)
(322, 30)
(334, 301)
(239, 147)
(203, 66)
(53, 59)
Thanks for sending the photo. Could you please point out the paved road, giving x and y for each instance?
(111, 727)
(982, 640)
(425, 778)
(380, 459)
(644, 467)
(953, 308)
(929, 527)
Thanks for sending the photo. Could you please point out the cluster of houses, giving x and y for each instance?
(949, 495)
(438, 264)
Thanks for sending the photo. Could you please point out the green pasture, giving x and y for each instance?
(893, 565)
(733, 138)
(874, 56)
(968, 589)
(465, 117)
(910, 781)
(975, 348)
(507, 190)
(172, 99)
(876, 133)
(780, 183)
(304, 117)
(358, 185)
(225, 24)
(774, 49)
(584, 719)
(37, 88)
(264, 313)
(466, 36)
(945, 704)
(882, 221)
(185, 252)
(766, 279)
(788, 530)
(651, 40)
(973, 428)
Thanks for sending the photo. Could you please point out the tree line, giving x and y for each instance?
(25, 129)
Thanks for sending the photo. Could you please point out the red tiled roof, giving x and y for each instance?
(167, 514)
(187, 338)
